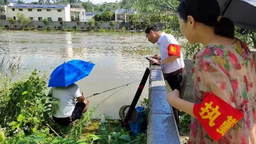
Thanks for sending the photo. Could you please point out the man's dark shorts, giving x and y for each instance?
(77, 113)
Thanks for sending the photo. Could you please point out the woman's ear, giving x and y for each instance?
(191, 22)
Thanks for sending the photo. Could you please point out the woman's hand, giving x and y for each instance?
(174, 100)
(172, 94)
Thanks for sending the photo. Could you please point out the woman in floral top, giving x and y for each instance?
(224, 67)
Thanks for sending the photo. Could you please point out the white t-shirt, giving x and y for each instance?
(163, 42)
(66, 96)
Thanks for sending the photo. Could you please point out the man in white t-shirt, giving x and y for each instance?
(171, 60)
(67, 110)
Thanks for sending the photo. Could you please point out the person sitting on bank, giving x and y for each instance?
(68, 110)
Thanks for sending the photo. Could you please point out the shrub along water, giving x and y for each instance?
(25, 112)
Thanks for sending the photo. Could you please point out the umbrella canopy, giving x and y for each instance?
(241, 12)
(70, 72)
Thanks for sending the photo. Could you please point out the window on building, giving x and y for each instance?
(29, 9)
(31, 18)
(48, 10)
(39, 10)
(13, 9)
(40, 18)
(49, 19)
(20, 9)
(59, 19)
(59, 10)
(14, 17)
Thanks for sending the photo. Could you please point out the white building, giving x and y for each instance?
(89, 16)
(49, 12)
(123, 15)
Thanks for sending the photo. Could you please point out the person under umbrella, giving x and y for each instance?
(64, 89)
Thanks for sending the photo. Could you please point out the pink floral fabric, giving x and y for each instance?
(229, 73)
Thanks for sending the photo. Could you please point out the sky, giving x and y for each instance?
(93, 1)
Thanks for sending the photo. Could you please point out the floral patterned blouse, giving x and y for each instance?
(229, 73)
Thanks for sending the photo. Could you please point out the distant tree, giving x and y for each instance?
(105, 16)
(155, 6)
(23, 20)
(44, 1)
(45, 21)
(97, 17)
(126, 4)
(11, 20)
(2, 10)
(4, 2)
(21, 2)
(88, 6)
(92, 23)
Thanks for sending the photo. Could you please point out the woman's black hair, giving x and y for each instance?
(207, 12)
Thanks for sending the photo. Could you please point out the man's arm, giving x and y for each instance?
(169, 59)
(81, 98)
(173, 49)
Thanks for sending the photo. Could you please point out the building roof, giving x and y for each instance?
(131, 12)
(90, 14)
(121, 11)
(38, 6)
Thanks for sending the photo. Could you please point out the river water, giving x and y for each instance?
(119, 59)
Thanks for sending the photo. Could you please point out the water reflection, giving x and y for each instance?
(69, 45)
(119, 59)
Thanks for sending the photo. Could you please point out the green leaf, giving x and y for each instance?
(13, 123)
(40, 106)
(20, 118)
(126, 137)
(25, 92)
(34, 129)
(116, 134)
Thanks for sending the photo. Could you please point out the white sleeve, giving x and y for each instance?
(172, 40)
(51, 90)
(77, 93)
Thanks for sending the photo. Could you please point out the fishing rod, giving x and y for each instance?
(95, 94)
(110, 96)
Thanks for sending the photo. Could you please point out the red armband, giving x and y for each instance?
(174, 49)
(216, 116)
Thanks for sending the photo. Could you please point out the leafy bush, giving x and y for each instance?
(45, 21)
(190, 49)
(111, 23)
(78, 22)
(77, 130)
(92, 23)
(23, 20)
(11, 20)
(102, 30)
(61, 22)
(184, 124)
(25, 111)
(27, 108)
